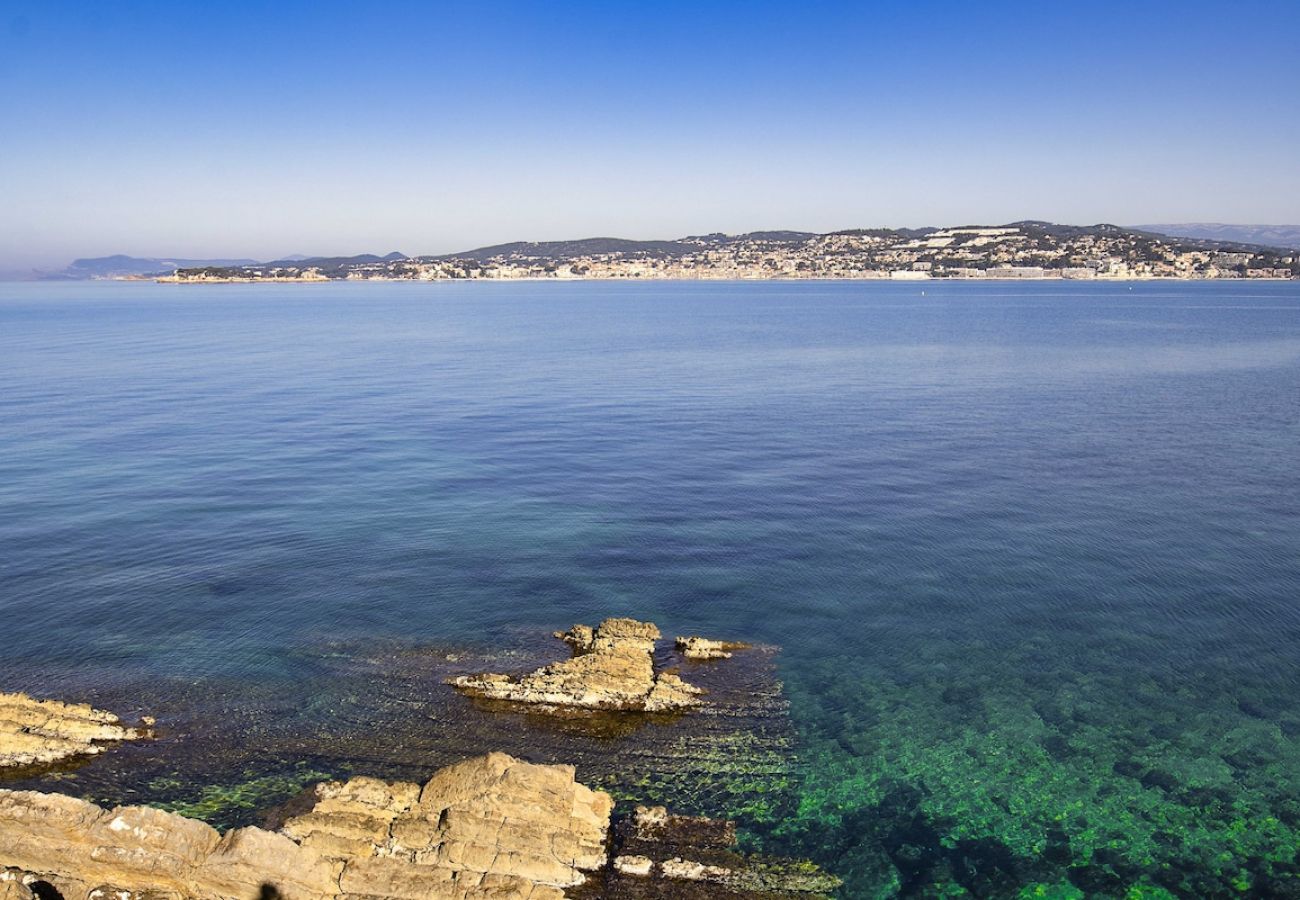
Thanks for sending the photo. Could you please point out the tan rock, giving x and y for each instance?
(689, 870)
(39, 732)
(670, 692)
(579, 637)
(490, 820)
(612, 668)
(696, 647)
(251, 856)
(488, 827)
(12, 888)
(632, 864)
(74, 845)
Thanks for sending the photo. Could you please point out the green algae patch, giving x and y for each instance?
(746, 777)
(227, 805)
(998, 777)
(1064, 891)
(797, 875)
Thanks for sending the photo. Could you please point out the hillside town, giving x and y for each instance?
(1022, 250)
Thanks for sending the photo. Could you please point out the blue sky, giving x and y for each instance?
(251, 129)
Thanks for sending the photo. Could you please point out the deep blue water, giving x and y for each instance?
(1047, 497)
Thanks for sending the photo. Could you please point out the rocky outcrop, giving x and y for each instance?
(489, 827)
(612, 669)
(40, 732)
(696, 647)
(77, 849)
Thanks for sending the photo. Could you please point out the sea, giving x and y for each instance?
(1020, 561)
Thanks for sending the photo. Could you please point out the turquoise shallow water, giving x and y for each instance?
(1032, 552)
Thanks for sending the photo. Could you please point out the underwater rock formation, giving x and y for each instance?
(491, 826)
(661, 856)
(612, 669)
(39, 732)
(695, 647)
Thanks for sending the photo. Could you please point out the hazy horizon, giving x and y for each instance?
(270, 257)
(146, 129)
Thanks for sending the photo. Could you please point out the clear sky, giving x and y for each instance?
(264, 129)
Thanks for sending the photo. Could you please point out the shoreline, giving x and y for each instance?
(490, 807)
(861, 280)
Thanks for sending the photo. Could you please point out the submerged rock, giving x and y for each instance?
(612, 669)
(491, 826)
(696, 647)
(39, 732)
(661, 856)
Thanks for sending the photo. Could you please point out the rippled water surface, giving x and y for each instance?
(1031, 552)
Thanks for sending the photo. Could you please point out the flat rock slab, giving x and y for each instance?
(698, 648)
(34, 733)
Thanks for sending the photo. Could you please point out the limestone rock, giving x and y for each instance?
(696, 647)
(12, 887)
(581, 638)
(612, 669)
(488, 827)
(80, 849)
(38, 732)
(689, 870)
(491, 817)
(634, 865)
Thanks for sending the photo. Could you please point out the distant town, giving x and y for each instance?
(1020, 250)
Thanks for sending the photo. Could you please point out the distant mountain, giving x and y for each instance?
(119, 265)
(569, 249)
(328, 262)
(560, 250)
(778, 237)
(1286, 237)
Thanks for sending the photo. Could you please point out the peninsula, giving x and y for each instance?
(1018, 250)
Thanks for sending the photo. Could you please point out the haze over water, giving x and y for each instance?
(1032, 551)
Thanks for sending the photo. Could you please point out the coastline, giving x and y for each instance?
(1106, 279)
(490, 808)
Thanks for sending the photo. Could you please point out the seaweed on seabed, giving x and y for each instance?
(239, 803)
(1042, 781)
(661, 856)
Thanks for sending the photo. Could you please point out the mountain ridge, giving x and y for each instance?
(1284, 237)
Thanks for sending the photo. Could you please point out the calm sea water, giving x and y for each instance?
(1032, 551)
